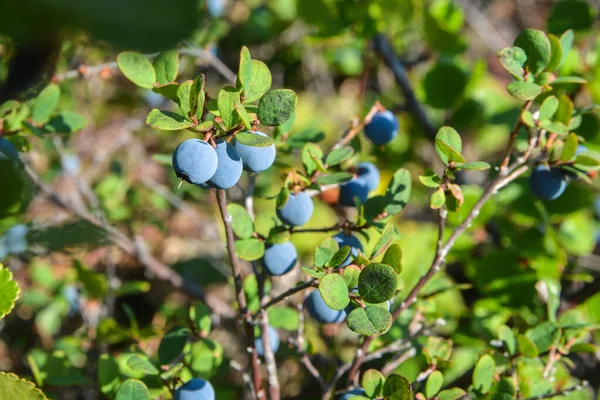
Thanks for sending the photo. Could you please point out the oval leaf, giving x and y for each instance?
(241, 222)
(523, 90)
(9, 291)
(276, 107)
(325, 251)
(259, 82)
(371, 320)
(13, 387)
(334, 291)
(137, 69)
(434, 384)
(250, 249)
(377, 283)
(397, 387)
(45, 103)
(166, 120)
(250, 139)
(141, 364)
(172, 344)
(483, 374)
(536, 45)
(166, 66)
(132, 389)
(372, 382)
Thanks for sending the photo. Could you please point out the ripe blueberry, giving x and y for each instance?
(369, 173)
(195, 161)
(195, 389)
(382, 128)
(256, 159)
(351, 241)
(351, 189)
(547, 183)
(297, 210)
(229, 166)
(280, 258)
(273, 339)
(351, 393)
(8, 151)
(320, 311)
(15, 239)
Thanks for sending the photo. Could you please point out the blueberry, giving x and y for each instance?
(256, 159)
(369, 173)
(297, 210)
(279, 259)
(229, 166)
(195, 161)
(72, 295)
(8, 151)
(320, 311)
(273, 339)
(547, 183)
(15, 239)
(351, 189)
(382, 128)
(349, 240)
(351, 393)
(216, 7)
(195, 389)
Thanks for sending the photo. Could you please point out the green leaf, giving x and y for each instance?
(166, 120)
(172, 344)
(8, 106)
(183, 98)
(250, 249)
(313, 272)
(339, 155)
(245, 71)
(13, 387)
(94, 283)
(197, 97)
(45, 103)
(276, 107)
(109, 376)
(254, 140)
(166, 66)
(430, 179)
(512, 59)
(393, 257)
(586, 162)
(454, 198)
(437, 199)
(483, 374)
(566, 43)
(385, 240)
(536, 45)
(350, 275)
(285, 318)
(565, 110)
(244, 116)
(339, 257)
(377, 283)
(372, 382)
(449, 153)
(527, 118)
(475, 166)
(371, 320)
(544, 335)
(548, 108)
(259, 83)
(278, 235)
(9, 291)
(334, 178)
(334, 291)
(508, 338)
(556, 53)
(451, 394)
(141, 364)
(554, 127)
(527, 347)
(325, 251)
(451, 138)
(169, 90)
(311, 153)
(397, 387)
(570, 147)
(241, 222)
(200, 317)
(282, 197)
(66, 122)
(434, 384)
(226, 101)
(569, 79)
(523, 90)
(398, 192)
(137, 69)
(132, 389)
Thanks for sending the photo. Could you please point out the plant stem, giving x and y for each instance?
(513, 137)
(239, 292)
(288, 293)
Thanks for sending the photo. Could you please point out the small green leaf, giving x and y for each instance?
(437, 199)
(339, 257)
(450, 154)
(241, 222)
(282, 197)
(397, 387)
(259, 83)
(325, 251)
(544, 335)
(475, 166)
(45, 103)
(285, 318)
(13, 387)
(166, 120)
(586, 162)
(226, 101)
(566, 43)
(450, 137)
(132, 389)
(483, 374)
(245, 71)
(250, 249)
(141, 364)
(137, 69)
(172, 344)
(554, 127)
(398, 192)
(166, 66)
(548, 108)
(508, 338)
(569, 79)
(385, 240)
(334, 291)
(372, 382)
(109, 376)
(527, 347)
(339, 155)
(313, 272)
(311, 156)
(434, 384)
(393, 257)
(334, 178)
(565, 110)
(570, 147)
(350, 275)
(183, 98)
(197, 97)
(9, 291)
(276, 107)
(254, 140)
(556, 53)
(371, 320)
(537, 47)
(512, 59)
(244, 116)
(377, 283)
(430, 179)
(523, 90)
(451, 394)
(527, 118)
(66, 122)
(200, 317)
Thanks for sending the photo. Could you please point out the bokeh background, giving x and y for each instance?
(103, 212)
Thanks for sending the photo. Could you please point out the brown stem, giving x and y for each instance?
(513, 137)
(239, 292)
(272, 379)
(304, 359)
(289, 293)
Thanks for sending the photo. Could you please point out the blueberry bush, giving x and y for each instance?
(327, 200)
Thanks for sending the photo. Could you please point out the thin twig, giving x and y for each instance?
(513, 138)
(245, 376)
(289, 293)
(335, 227)
(356, 127)
(304, 358)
